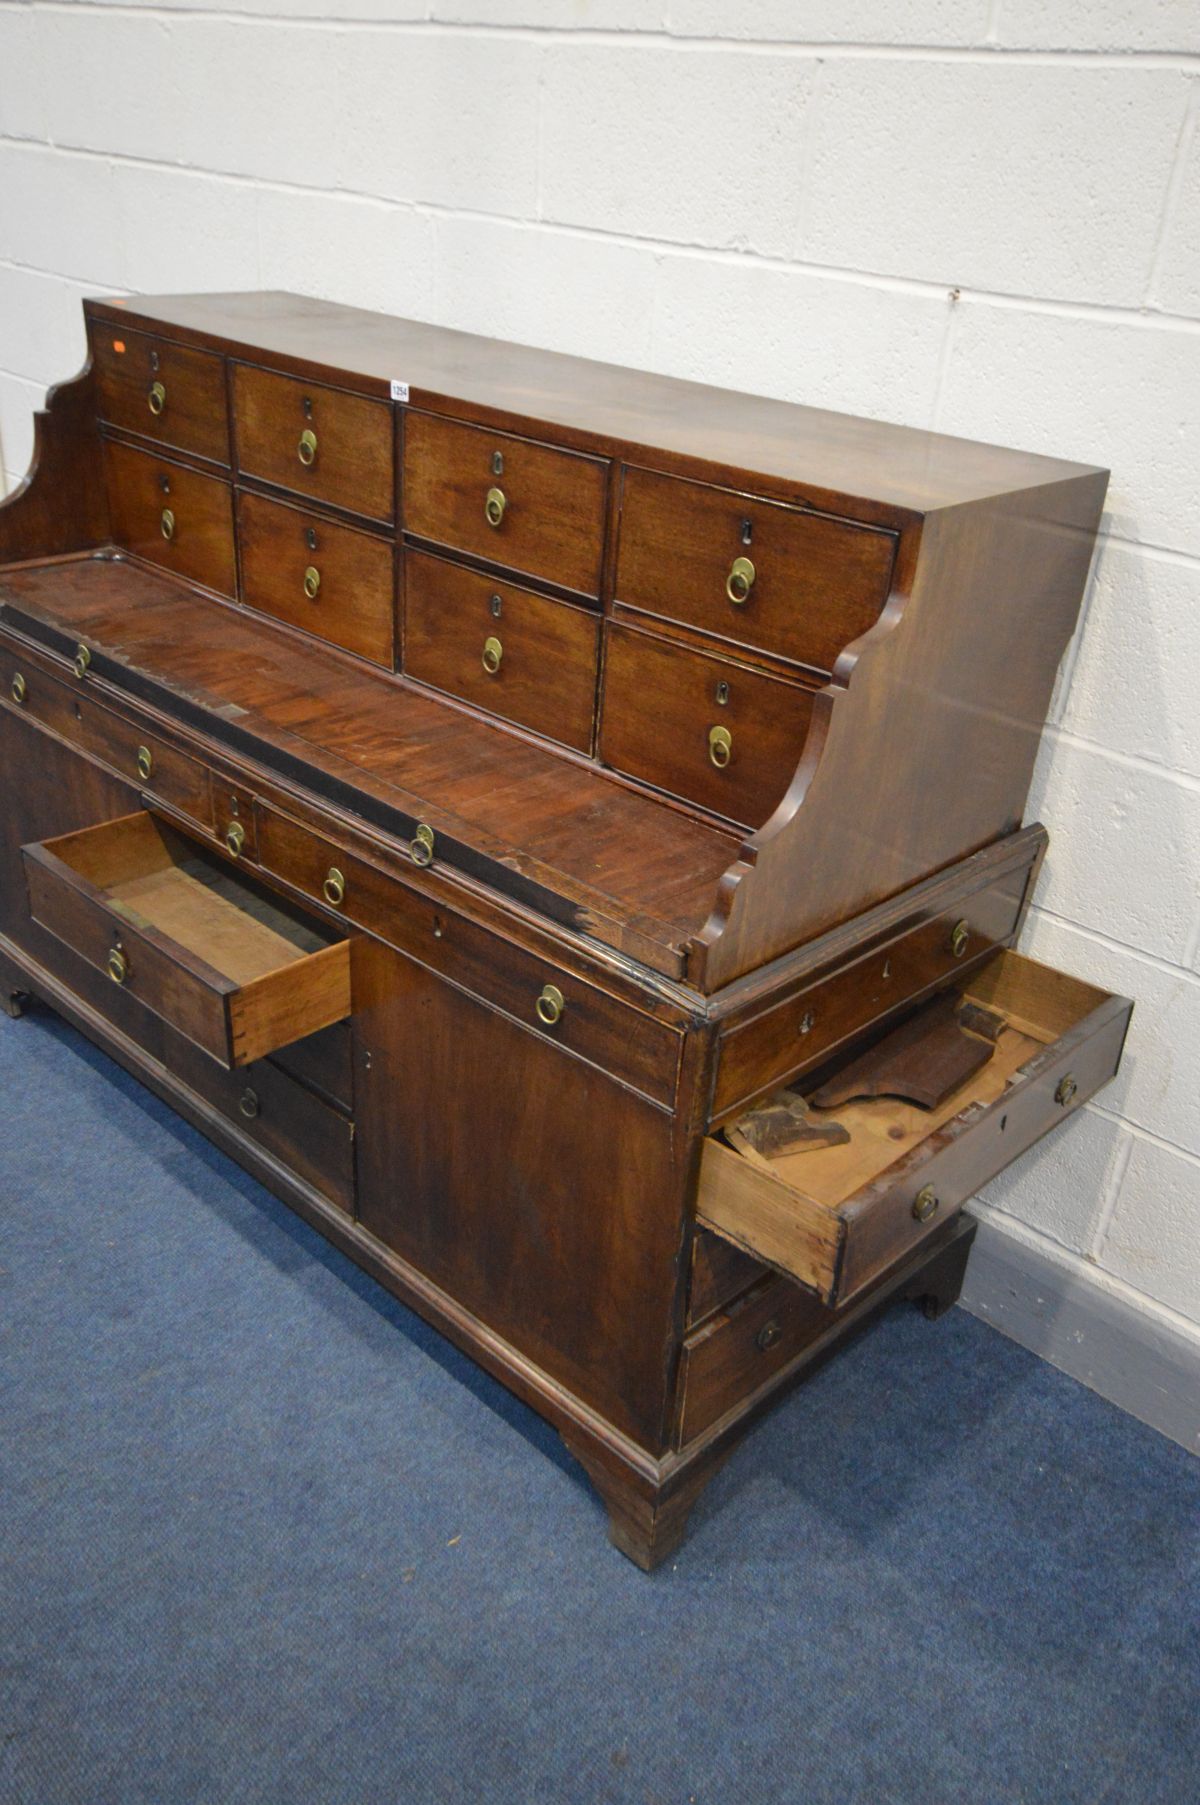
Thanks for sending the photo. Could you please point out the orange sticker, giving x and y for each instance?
(118, 344)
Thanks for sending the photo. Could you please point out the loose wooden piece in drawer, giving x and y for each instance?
(163, 391)
(231, 967)
(317, 441)
(704, 728)
(519, 655)
(531, 507)
(171, 516)
(782, 579)
(836, 1216)
(331, 580)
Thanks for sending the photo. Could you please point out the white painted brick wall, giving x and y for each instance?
(977, 214)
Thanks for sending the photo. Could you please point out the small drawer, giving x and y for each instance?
(639, 1050)
(316, 441)
(171, 516)
(781, 579)
(742, 1347)
(331, 580)
(519, 655)
(836, 1217)
(133, 750)
(706, 729)
(230, 967)
(163, 391)
(531, 507)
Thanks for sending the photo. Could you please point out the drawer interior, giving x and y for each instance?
(829, 1215)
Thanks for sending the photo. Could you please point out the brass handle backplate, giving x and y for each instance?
(421, 844)
(118, 966)
(19, 690)
(312, 582)
(156, 400)
(334, 888)
(167, 524)
(550, 1005)
(925, 1203)
(1067, 1089)
(145, 763)
(494, 506)
(493, 652)
(83, 659)
(235, 838)
(740, 581)
(306, 450)
(249, 1104)
(720, 746)
(959, 936)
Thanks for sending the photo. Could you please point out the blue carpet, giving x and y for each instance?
(266, 1538)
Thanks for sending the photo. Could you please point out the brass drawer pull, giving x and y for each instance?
(156, 400)
(768, 1336)
(83, 659)
(421, 844)
(167, 524)
(1066, 1091)
(306, 450)
(334, 888)
(493, 652)
(235, 838)
(312, 582)
(145, 763)
(740, 581)
(118, 966)
(19, 690)
(249, 1104)
(550, 1005)
(494, 506)
(960, 935)
(925, 1204)
(720, 746)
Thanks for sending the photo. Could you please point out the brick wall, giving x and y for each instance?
(982, 215)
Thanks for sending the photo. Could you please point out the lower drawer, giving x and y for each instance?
(837, 1216)
(743, 1346)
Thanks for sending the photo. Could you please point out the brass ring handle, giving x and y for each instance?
(494, 506)
(118, 966)
(235, 838)
(740, 581)
(720, 746)
(312, 582)
(768, 1336)
(1067, 1090)
(83, 659)
(156, 400)
(550, 1005)
(421, 844)
(167, 524)
(925, 1204)
(145, 763)
(334, 888)
(19, 689)
(306, 450)
(493, 652)
(249, 1104)
(960, 934)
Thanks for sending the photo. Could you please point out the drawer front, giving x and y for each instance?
(743, 1348)
(285, 1119)
(316, 441)
(757, 1055)
(323, 1062)
(637, 1049)
(781, 579)
(663, 713)
(163, 391)
(171, 516)
(528, 506)
(128, 748)
(330, 580)
(518, 655)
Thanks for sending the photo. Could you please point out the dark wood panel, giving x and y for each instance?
(797, 584)
(519, 655)
(720, 1272)
(164, 391)
(172, 516)
(530, 507)
(349, 461)
(329, 579)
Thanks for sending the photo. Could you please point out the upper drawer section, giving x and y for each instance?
(172, 516)
(530, 507)
(319, 442)
(797, 584)
(328, 579)
(163, 391)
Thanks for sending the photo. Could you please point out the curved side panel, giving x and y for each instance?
(61, 504)
(922, 748)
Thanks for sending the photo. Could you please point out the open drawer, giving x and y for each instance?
(236, 970)
(835, 1217)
